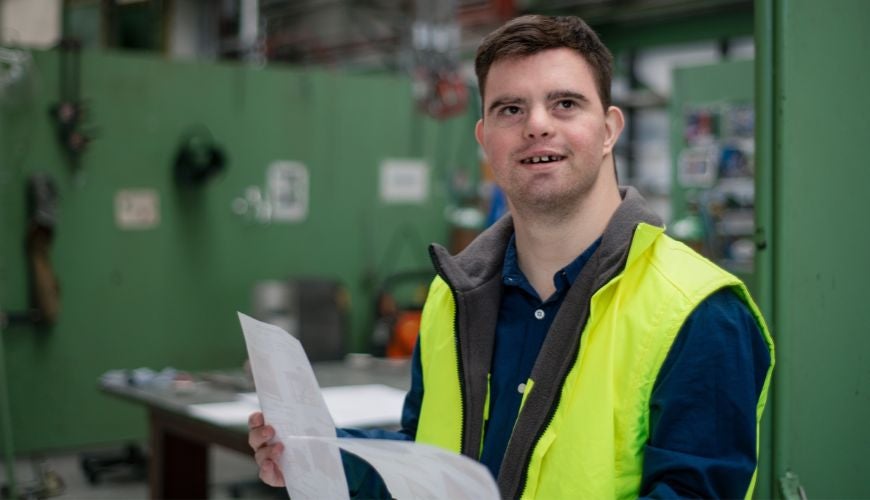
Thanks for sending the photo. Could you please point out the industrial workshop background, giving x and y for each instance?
(161, 289)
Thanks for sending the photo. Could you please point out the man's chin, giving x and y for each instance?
(545, 203)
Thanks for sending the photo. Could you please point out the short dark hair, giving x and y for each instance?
(528, 35)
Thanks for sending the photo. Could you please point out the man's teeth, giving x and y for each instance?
(542, 159)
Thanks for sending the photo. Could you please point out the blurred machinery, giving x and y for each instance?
(314, 310)
(439, 88)
(46, 483)
(426, 39)
(370, 35)
(398, 311)
(131, 460)
(376, 33)
(714, 164)
(366, 34)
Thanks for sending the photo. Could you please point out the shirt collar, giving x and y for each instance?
(512, 275)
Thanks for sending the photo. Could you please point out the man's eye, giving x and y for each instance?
(510, 110)
(566, 104)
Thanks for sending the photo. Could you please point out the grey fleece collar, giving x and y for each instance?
(483, 258)
(479, 262)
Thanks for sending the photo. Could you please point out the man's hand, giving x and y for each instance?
(265, 454)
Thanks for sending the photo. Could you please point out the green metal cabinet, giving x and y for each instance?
(813, 112)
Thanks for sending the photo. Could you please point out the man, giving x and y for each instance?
(573, 348)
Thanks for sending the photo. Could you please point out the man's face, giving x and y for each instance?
(545, 132)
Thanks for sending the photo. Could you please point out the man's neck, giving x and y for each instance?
(546, 244)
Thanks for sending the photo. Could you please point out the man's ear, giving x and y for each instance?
(614, 122)
(478, 131)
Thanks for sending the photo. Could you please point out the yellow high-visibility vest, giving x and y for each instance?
(593, 446)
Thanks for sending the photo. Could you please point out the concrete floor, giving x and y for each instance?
(228, 469)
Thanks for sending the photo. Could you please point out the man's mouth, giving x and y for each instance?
(542, 159)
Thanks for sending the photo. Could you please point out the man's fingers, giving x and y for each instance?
(267, 453)
(261, 455)
(267, 473)
(271, 474)
(255, 420)
(267, 458)
(259, 436)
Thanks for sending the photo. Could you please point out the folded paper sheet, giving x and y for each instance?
(293, 404)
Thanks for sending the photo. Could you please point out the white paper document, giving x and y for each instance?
(293, 404)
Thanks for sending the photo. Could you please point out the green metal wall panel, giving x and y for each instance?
(167, 296)
(821, 121)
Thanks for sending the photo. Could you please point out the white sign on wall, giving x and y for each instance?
(404, 181)
(137, 208)
(30, 23)
(287, 185)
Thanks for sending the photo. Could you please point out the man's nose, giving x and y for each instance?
(538, 124)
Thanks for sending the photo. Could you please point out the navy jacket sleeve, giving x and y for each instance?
(702, 440)
(362, 480)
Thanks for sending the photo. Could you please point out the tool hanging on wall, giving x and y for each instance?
(42, 217)
(44, 291)
(198, 157)
(69, 113)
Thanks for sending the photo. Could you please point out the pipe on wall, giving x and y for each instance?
(6, 420)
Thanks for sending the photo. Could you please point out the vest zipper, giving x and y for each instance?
(459, 371)
(460, 374)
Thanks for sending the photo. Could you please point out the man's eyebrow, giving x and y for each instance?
(503, 101)
(566, 94)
